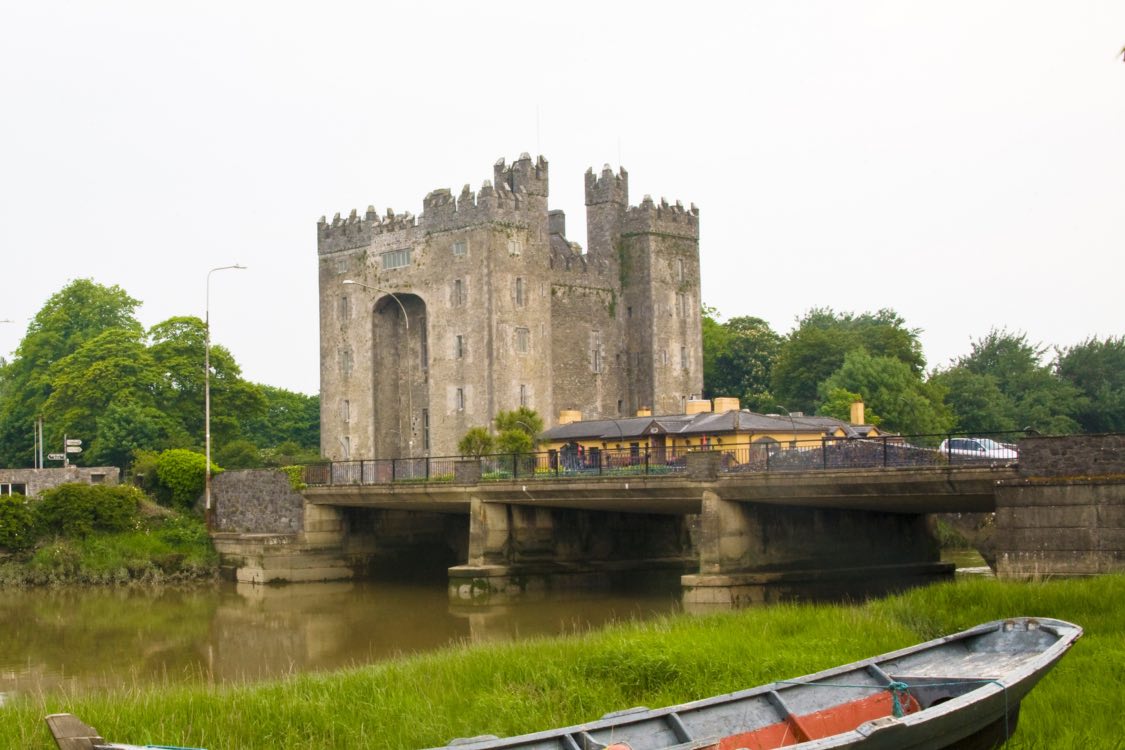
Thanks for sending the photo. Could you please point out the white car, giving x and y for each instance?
(978, 447)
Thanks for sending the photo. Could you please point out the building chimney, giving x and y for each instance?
(857, 412)
(567, 416)
(698, 406)
(726, 403)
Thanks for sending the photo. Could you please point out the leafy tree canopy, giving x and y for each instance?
(823, 338)
(1031, 394)
(892, 388)
(1097, 369)
(738, 359)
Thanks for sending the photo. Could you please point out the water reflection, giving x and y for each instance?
(79, 640)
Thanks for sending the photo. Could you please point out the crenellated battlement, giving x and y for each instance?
(523, 176)
(518, 195)
(662, 218)
(353, 232)
(607, 187)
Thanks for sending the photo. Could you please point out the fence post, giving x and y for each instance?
(394, 469)
(427, 460)
(884, 451)
(646, 460)
(824, 452)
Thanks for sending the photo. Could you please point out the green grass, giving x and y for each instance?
(505, 689)
(163, 549)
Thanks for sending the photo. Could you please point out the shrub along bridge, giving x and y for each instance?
(745, 524)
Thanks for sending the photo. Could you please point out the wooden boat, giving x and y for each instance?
(962, 691)
(71, 733)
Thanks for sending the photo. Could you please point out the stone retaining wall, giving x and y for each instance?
(258, 501)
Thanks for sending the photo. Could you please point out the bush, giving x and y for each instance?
(78, 510)
(17, 524)
(181, 474)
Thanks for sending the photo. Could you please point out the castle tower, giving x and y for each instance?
(481, 304)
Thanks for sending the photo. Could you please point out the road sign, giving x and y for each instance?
(74, 449)
(56, 456)
(73, 441)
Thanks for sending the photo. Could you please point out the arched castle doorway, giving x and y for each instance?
(400, 366)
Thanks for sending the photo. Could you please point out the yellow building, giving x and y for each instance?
(733, 431)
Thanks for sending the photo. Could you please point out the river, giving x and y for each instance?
(80, 639)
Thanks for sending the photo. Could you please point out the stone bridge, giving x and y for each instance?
(730, 538)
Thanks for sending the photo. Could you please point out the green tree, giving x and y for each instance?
(1033, 394)
(838, 404)
(476, 442)
(1097, 369)
(287, 417)
(112, 366)
(522, 419)
(894, 390)
(817, 347)
(738, 359)
(978, 404)
(73, 316)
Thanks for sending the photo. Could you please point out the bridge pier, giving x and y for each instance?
(517, 550)
(752, 553)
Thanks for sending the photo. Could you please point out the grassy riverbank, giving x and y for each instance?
(98, 534)
(509, 688)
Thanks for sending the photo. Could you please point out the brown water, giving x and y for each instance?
(83, 639)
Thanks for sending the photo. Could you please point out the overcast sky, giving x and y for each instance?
(960, 162)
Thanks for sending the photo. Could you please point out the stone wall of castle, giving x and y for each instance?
(482, 304)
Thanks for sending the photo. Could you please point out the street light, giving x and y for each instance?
(409, 385)
(207, 392)
(792, 426)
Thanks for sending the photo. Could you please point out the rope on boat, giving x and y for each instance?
(897, 688)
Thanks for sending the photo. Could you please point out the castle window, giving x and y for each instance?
(459, 400)
(458, 346)
(515, 247)
(680, 268)
(523, 395)
(341, 265)
(620, 404)
(595, 351)
(629, 311)
(682, 304)
(12, 488)
(460, 247)
(523, 340)
(346, 410)
(425, 429)
(346, 362)
(424, 345)
(521, 298)
(664, 356)
(347, 443)
(458, 298)
(343, 309)
(396, 259)
(683, 357)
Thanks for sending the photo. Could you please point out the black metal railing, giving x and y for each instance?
(764, 455)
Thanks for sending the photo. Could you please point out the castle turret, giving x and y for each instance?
(607, 197)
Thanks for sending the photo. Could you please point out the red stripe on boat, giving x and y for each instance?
(842, 717)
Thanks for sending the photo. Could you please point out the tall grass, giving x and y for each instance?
(506, 689)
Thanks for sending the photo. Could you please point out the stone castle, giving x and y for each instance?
(481, 304)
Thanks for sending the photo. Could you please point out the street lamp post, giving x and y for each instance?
(792, 426)
(409, 385)
(207, 393)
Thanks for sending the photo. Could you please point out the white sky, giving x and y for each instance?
(960, 162)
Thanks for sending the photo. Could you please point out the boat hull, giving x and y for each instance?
(961, 692)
